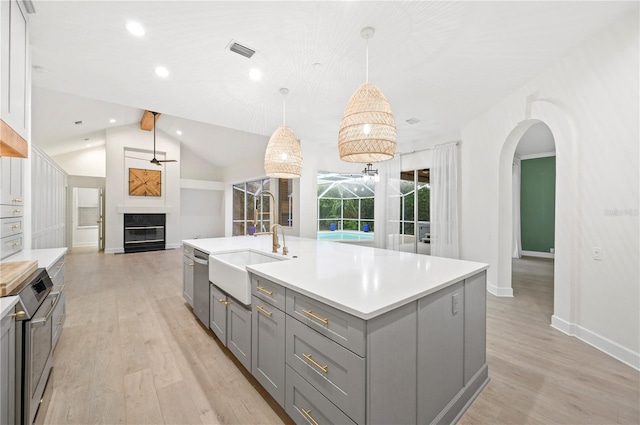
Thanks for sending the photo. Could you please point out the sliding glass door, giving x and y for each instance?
(415, 227)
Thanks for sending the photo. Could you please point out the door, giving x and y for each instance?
(239, 332)
(87, 217)
(218, 313)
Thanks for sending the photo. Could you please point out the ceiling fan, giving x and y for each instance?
(154, 160)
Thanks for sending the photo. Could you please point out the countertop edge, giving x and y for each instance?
(7, 304)
(42, 256)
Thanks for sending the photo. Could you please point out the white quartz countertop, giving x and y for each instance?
(45, 257)
(362, 281)
(6, 305)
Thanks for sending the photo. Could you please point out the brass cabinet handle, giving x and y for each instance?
(17, 211)
(264, 311)
(318, 318)
(192, 264)
(18, 315)
(307, 413)
(15, 226)
(16, 200)
(61, 321)
(224, 302)
(265, 291)
(324, 369)
(15, 244)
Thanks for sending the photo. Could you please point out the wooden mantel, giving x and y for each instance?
(11, 143)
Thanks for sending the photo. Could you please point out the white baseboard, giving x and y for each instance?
(603, 344)
(538, 254)
(173, 246)
(114, 250)
(85, 244)
(499, 292)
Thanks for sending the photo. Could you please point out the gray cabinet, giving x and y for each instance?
(268, 338)
(187, 278)
(57, 274)
(231, 322)
(423, 362)
(7, 370)
(11, 206)
(15, 71)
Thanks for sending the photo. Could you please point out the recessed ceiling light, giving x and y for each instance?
(179, 133)
(255, 74)
(135, 28)
(112, 120)
(161, 71)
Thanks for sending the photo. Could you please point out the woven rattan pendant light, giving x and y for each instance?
(367, 131)
(283, 158)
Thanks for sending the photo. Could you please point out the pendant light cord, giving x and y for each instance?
(367, 76)
(284, 110)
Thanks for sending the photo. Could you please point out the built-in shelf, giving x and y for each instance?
(141, 209)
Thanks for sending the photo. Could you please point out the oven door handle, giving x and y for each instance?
(36, 323)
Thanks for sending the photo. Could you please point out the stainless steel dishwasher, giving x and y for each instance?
(201, 286)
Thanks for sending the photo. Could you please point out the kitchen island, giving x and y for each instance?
(348, 334)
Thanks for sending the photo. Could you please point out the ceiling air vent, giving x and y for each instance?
(238, 48)
(413, 121)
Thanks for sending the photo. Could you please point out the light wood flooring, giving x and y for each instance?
(132, 352)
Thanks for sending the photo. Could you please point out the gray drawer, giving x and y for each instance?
(56, 272)
(268, 291)
(7, 211)
(333, 370)
(10, 245)
(10, 226)
(305, 405)
(341, 327)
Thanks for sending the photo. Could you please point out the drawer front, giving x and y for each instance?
(305, 405)
(59, 316)
(10, 245)
(8, 211)
(268, 291)
(10, 226)
(333, 370)
(56, 272)
(341, 327)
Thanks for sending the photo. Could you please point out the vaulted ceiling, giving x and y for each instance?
(442, 63)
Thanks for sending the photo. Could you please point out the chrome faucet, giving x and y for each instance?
(275, 242)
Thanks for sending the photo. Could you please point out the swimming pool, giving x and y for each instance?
(345, 235)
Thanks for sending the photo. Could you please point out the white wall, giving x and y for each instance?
(87, 162)
(139, 143)
(195, 167)
(590, 101)
(202, 213)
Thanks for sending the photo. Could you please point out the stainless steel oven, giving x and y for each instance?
(34, 327)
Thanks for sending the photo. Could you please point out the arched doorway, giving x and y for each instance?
(566, 270)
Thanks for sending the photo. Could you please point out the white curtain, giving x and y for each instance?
(516, 238)
(444, 201)
(387, 205)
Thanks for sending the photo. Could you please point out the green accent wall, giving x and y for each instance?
(537, 203)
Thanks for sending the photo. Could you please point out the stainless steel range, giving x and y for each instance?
(33, 343)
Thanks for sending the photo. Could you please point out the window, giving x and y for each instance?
(285, 204)
(415, 216)
(345, 202)
(249, 210)
(87, 212)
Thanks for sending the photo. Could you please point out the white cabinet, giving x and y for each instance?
(7, 369)
(11, 188)
(231, 322)
(15, 70)
(48, 206)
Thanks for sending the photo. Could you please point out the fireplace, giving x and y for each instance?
(144, 232)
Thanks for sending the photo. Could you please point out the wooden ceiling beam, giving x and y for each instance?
(146, 123)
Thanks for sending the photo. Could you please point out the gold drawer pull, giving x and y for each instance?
(318, 318)
(307, 414)
(61, 321)
(264, 311)
(17, 211)
(16, 200)
(18, 315)
(15, 244)
(191, 265)
(265, 291)
(15, 226)
(324, 369)
(224, 302)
